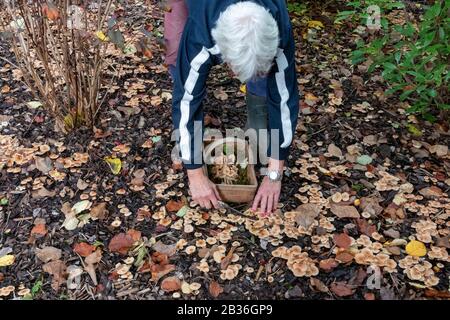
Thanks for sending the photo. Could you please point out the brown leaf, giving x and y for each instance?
(121, 243)
(443, 242)
(167, 249)
(328, 264)
(432, 293)
(215, 289)
(174, 206)
(358, 277)
(83, 249)
(431, 192)
(341, 289)
(160, 258)
(134, 234)
(227, 260)
(99, 211)
(39, 230)
(43, 164)
(47, 254)
(342, 240)
(170, 284)
(306, 213)
(90, 261)
(371, 205)
(369, 296)
(57, 269)
(344, 257)
(365, 228)
(94, 257)
(160, 271)
(318, 285)
(342, 211)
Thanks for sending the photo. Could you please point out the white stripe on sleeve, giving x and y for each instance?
(284, 94)
(191, 81)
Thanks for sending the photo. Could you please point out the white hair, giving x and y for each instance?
(247, 36)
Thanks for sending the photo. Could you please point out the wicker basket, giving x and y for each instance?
(235, 193)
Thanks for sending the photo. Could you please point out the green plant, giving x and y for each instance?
(297, 8)
(361, 14)
(413, 59)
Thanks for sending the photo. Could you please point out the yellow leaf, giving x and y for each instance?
(68, 120)
(115, 164)
(416, 248)
(101, 36)
(243, 88)
(7, 260)
(315, 24)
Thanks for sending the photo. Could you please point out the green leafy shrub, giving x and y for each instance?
(413, 58)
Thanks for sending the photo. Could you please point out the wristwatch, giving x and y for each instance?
(275, 175)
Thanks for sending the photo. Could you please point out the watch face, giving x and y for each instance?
(273, 175)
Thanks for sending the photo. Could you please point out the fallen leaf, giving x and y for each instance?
(318, 285)
(7, 260)
(306, 214)
(227, 260)
(170, 284)
(315, 24)
(431, 192)
(47, 254)
(39, 230)
(159, 271)
(432, 293)
(83, 249)
(365, 228)
(328, 264)
(115, 164)
(183, 210)
(167, 249)
(81, 206)
(90, 261)
(342, 211)
(364, 160)
(369, 296)
(82, 185)
(34, 104)
(439, 149)
(334, 151)
(99, 211)
(416, 248)
(121, 243)
(215, 289)
(174, 206)
(341, 289)
(342, 240)
(134, 234)
(43, 164)
(344, 257)
(57, 269)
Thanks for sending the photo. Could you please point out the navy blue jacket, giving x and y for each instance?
(197, 54)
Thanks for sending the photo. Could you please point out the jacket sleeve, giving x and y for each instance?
(193, 65)
(282, 100)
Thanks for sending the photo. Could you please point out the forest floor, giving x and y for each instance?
(364, 180)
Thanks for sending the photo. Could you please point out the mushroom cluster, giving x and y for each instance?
(425, 229)
(373, 253)
(225, 169)
(420, 270)
(298, 262)
(6, 291)
(439, 253)
(230, 272)
(387, 182)
(367, 257)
